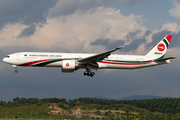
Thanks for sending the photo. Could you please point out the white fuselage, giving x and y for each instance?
(106, 60)
(114, 61)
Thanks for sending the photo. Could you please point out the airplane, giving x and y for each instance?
(71, 62)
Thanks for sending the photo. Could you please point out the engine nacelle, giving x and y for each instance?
(68, 65)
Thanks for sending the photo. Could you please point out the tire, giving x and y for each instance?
(85, 73)
(16, 71)
(92, 74)
(89, 74)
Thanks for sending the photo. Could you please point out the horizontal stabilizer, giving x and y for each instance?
(164, 59)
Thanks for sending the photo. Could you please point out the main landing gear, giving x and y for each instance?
(88, 71)
(15, 68)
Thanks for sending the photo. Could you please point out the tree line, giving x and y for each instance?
(163, 105)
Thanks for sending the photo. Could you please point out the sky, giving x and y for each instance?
(88, 26)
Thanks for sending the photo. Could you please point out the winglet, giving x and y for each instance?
(110, 51)
(118, 48)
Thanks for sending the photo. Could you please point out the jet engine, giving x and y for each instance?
(68, 65)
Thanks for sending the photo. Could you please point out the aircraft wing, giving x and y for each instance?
(97, 57)
(164, 59)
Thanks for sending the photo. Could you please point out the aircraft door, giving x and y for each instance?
(18, 57)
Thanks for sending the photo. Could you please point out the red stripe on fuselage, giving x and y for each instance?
(106, 62)
(118, 63)
(34, 62)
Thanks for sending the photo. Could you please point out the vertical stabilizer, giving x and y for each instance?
(160, 49)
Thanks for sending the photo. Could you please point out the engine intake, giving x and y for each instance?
(68, 65)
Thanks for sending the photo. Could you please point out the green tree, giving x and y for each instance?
(72, 103)
(116, 107)
(61, 105)
(78, 102)
(2, 103)
(39, 103)
(92, 117)
(98, 112)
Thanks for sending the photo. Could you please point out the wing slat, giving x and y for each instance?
(97, 57)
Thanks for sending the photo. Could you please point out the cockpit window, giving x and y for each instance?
(7, 56)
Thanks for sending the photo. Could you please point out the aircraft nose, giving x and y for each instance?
(7, 59)
(4, 59)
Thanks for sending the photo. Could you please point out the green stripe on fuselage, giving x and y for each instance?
(134, 61)
(128, 61)
(48, 62)
(52, 61)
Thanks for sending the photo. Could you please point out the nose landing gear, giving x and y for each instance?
(15, 68)
(15, 71)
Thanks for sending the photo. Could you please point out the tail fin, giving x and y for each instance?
(160, 49)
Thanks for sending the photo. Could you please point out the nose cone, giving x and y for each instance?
(5, 60)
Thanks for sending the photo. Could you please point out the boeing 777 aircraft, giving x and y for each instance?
(74, 61)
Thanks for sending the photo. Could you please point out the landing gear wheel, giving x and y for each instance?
(85, 73)
(89, 74)
(92, 74)
(15, 68)
(15, 71)
(88, 71)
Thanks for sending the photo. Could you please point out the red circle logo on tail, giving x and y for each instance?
(161, 47)
(67, 64)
